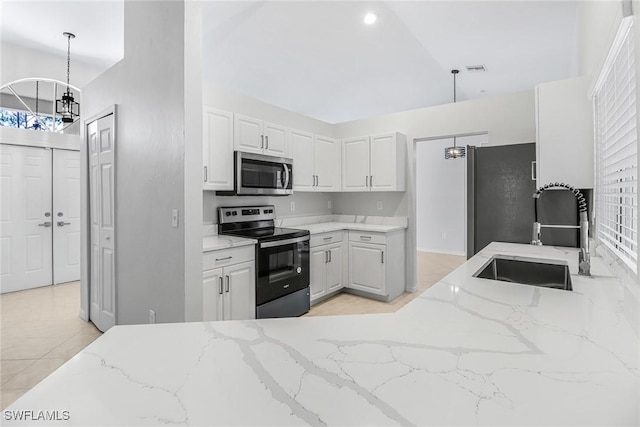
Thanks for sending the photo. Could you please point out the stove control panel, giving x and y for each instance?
(246, 213)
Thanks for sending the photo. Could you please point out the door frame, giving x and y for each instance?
(412, 229)
(85, 229)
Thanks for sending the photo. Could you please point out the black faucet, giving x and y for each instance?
(584, 258)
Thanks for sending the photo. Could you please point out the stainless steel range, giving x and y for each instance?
(282, 259)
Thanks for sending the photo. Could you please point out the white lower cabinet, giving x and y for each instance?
(376, 263)
(327, 264)
(229, 291)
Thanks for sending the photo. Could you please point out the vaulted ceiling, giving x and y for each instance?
(320, 59)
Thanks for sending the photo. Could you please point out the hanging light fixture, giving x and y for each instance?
(68, 109)
(454, 152)
(36, 120)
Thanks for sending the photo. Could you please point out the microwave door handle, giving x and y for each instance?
(286, 175)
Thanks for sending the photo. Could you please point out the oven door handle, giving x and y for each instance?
(275, 243)
(286, 176)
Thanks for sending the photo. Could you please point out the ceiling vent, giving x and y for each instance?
(476, 68)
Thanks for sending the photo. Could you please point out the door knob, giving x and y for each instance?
(62, 223)
(45, 224)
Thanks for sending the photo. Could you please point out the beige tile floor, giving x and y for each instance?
(41, 330)
(431, 268)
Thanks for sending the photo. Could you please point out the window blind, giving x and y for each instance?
(616, 146)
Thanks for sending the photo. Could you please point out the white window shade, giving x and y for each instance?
(616, 145)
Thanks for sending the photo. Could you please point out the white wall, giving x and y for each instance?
(441, 195)
(152, 161)
(508, 119)
(19, 62)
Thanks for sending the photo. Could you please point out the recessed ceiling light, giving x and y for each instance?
(370, 18)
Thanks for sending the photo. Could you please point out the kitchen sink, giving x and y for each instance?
(527, 271)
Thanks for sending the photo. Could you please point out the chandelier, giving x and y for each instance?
(68, 109)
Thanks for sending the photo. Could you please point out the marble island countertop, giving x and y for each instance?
(337, 226)
(467, 351)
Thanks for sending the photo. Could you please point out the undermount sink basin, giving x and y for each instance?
(527, 271)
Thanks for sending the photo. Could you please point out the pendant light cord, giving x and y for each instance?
(69, 59)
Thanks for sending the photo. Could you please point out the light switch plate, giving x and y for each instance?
(329, 204)
(292, 206)
(152, 316)
(379, 205)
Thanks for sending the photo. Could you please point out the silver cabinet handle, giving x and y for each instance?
(220, 288)
(365, 237)
(266, 139)
(533, 170)
(382, 257)
(45, 224)
(262, 143)
(366, 181)
(62, 223)
(223, 259)
(227, 283)
(326, 257)
(205, 174)
(370, 180)
(327, 238)
(329, 255)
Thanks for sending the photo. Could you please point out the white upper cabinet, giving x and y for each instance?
(327, 161)
(253, 135)
(564, 133)
(217, 149)
(275, 140)
(302, 149)
(375, 163)
(316, 162)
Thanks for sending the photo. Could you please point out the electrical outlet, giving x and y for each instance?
(379, 205)
(152, 316)
(329, 204)
(174, 218)
(292, 206)
(444, 235)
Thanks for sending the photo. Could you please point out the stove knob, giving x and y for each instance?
(234, 213)
(228, 214)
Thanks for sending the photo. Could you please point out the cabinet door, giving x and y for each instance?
(334, 268)
(318, 271)
(212, 294)
(327, 157)
(247, 134)
(367, 268)
(302, 149)
(564, 130)
(275, 140)
(240, 291)
(383, 162)
(355, 164)
(218, 149)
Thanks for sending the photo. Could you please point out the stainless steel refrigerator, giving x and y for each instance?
(500, 186)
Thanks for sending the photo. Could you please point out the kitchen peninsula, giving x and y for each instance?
(467, 351)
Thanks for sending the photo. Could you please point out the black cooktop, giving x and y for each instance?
(268, 233)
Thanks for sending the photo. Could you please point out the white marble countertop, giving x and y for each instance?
(468, 351)
(213, 243)
(325, 227)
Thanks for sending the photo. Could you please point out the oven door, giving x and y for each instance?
(259, 174)
(282, 268)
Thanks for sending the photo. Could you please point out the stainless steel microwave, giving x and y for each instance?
(260, 175)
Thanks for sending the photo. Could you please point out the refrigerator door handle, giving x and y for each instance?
(533, 170)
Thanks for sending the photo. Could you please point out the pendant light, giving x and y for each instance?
(68, 109)
(454, 152)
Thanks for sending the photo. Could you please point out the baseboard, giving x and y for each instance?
(443, 251)
(83, 315)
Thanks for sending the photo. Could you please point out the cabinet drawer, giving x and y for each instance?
(325, 238)
(215, 259)
(367, 237)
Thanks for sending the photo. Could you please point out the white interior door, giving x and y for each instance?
(25, 218)
(101, 206)
(66, 216)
